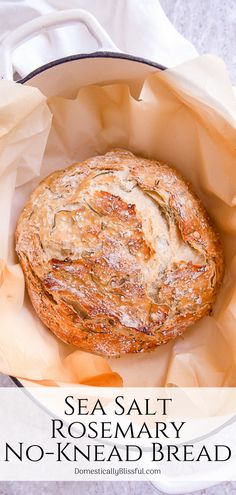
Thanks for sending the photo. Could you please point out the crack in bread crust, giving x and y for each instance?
(119, 255)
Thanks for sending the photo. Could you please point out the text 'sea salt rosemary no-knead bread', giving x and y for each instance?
(118, 254)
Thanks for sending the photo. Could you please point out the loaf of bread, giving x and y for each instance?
(119, 255)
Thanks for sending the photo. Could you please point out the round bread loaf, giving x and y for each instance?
(119, 255)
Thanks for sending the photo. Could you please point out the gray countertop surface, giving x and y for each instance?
(211, 26)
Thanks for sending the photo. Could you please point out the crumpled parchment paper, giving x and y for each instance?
(185, 116)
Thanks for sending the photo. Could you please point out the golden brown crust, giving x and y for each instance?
(119, 255)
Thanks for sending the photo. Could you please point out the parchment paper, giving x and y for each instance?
(185, 116)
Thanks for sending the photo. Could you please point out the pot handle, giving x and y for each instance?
(43, 23)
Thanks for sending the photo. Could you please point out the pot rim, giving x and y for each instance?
(99, 54)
